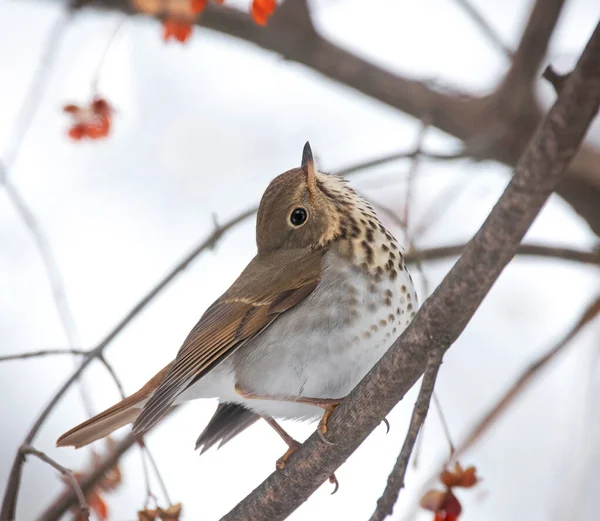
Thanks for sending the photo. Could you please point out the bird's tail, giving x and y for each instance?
(120, 414)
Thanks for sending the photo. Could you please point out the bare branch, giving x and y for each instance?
(397, 156)
(444, 423)
(535, 250)
(66, 500)
(443, 317)
(484, 26)
(515, 390)
(395, 482)
(534, 44)
(458, 114)
(557, 80)
(35, 94)
(42, 352)
(84, 510)
(113, 374)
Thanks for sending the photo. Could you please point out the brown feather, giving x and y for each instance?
(120, 414)
(271, 284)
(227, 422)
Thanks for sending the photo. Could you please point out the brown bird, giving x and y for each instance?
(324, 298)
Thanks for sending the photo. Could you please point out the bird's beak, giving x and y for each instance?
(308, 165)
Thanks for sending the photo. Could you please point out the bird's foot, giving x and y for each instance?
(280, 463)
(329, 406)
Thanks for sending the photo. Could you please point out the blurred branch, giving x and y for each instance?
(396, 156)
(84, 510)
(533, 46)
(443, 316)
(66, 500)
(497, 126)
(42, 352)
(535, 250)
(557, 80)
(395, 482)
(484, 26)
(515, 390)
(39, 82)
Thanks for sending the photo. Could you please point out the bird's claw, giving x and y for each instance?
(323, 424)
(280, 463)
(387, 425)
(333, 480)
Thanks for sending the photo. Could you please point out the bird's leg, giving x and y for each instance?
(291, 442)
(329, 404)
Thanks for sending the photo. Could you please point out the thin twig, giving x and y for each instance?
(516, 389)
(109, 43)
(395, 482)
(485, 27)
(157, 474)
(444, 423)
(412, 174)
(70, 351)
(397, 156)
(150, 496)
(84, 510)
(23, 122)
(438, 207)
(39, 83)
(535, 250)
(113, 374)
(66, 500)
(42, 352)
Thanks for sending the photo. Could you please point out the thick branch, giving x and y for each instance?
(470, 119)
(446, 313)
(533, 46)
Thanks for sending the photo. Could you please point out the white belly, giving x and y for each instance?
(321, 348)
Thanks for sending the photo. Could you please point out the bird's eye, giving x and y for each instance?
(298, 216)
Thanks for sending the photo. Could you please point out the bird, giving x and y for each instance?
(326, 295)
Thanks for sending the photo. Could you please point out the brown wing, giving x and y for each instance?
(269, 286)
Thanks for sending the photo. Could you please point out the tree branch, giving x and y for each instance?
(68, 474)
(591, 312)
(395, 482)
(68, 498)
(535, 250)
(469, 119)
(484, 26)
(533, 46)
(446, 313)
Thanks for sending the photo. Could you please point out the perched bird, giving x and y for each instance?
(324, 298)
